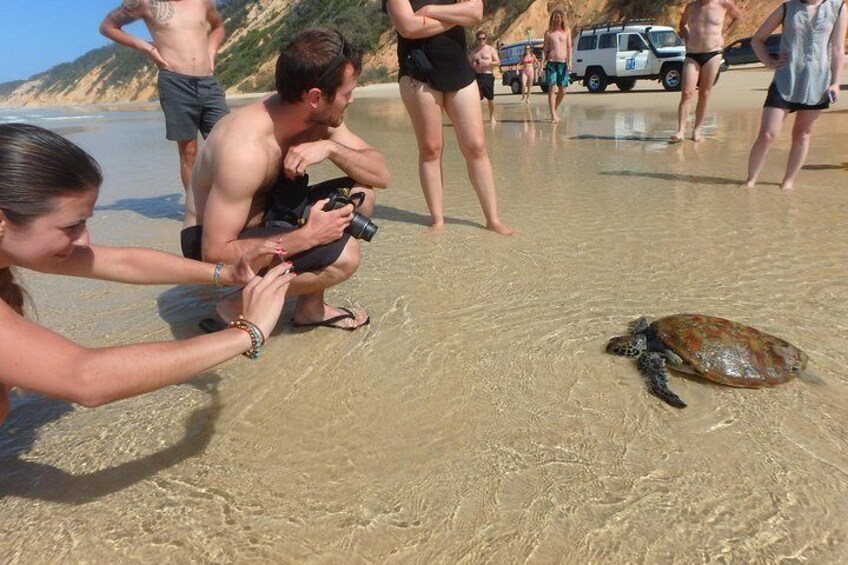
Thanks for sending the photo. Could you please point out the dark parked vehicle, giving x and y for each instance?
(740, 52)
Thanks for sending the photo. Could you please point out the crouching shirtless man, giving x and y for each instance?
(250, 180)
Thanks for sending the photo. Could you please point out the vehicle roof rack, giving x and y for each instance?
(607, 26)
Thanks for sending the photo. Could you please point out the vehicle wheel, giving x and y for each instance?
(625, 84)
(672, 77)
(515, 86)
(596, 80)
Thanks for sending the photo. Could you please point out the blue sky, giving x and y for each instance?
(37, 34)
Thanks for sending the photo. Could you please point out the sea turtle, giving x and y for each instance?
(717, 349)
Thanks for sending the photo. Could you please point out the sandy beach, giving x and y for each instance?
(477, 419)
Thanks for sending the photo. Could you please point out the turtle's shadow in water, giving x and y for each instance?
(694, 179)
(40, 481)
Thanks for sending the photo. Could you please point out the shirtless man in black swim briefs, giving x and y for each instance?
(250, 183)
(702, 29)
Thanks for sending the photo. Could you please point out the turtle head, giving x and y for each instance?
(628, 345)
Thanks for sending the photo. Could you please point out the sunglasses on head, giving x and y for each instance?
(334, 64)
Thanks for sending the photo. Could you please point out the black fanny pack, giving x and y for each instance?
(420, 67)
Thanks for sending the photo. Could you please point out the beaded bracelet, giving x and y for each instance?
(257, 338)
(216, 274)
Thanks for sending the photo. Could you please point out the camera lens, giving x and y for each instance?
(361, 227)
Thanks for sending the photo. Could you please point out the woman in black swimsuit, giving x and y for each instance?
(434, 28)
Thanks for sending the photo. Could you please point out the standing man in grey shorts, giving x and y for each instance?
(186, 36)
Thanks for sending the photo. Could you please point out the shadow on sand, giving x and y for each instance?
(167, 207)
(694, 179)
(39, 481)
(383, 212)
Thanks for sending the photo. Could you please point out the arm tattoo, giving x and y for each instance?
(163, 10)
(121, 17)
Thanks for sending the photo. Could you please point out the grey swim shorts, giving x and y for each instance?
(190, 103)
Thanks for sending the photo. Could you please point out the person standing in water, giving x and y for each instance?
(806, 78)
(557, 55)
(702, 29)
(483, 58)
(435, 28)
(186, 37)
(529, 64)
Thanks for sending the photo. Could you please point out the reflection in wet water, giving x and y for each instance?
(477, 419)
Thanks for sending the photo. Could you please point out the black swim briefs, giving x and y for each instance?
(702, 58)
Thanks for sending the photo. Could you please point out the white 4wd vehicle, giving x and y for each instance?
(623, 53)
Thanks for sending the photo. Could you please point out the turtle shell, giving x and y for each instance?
(730, 353)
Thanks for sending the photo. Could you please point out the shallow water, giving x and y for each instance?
(477, 419)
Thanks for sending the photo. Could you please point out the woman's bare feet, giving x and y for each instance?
(436, 227)
(696, 135)
(749, 183)
(787, 185)
(500, 227)
(676, 138)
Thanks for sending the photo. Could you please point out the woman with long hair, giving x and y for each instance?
(529, 66)
(48, 187)
(435, 77)
(806, 77)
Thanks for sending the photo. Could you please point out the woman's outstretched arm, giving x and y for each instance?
(137, 265)
(37, 359)
(411, 25)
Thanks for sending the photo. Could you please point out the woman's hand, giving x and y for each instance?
(833, 93)
(779, 61)
(263, 297)
(243, 273)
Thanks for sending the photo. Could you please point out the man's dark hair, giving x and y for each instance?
(315, 58)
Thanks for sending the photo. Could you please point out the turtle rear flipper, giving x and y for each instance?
(652, 366)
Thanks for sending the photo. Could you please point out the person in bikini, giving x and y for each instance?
(528, 63)
(483, 58)
(186, 37)
(702, 29)
(250, 181)
(557, 54)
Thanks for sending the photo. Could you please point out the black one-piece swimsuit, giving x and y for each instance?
(446, 51)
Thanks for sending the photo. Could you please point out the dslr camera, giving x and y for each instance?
(361, 226)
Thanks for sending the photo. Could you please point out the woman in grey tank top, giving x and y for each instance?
(806, 78)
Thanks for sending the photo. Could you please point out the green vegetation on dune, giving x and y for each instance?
(360, 21)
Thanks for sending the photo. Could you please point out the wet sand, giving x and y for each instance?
(477, 419)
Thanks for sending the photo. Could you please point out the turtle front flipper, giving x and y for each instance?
(652, 366)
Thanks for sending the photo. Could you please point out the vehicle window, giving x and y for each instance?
(663, 39)
(607, 41)
(587, 42)
(630, 42)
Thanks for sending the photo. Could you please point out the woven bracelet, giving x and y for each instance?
(257, 338)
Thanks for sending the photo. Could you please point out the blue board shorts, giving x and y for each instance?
(190, 104)
(556, 73)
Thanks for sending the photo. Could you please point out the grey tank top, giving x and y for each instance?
(807, 39)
